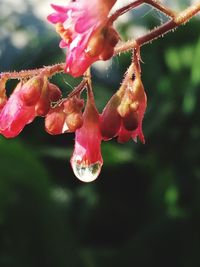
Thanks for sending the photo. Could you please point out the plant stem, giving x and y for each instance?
(47, 70)
(179, 19)
(125, 9)
(78, 89)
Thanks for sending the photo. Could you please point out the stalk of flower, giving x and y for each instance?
(86, 160)
(3, 97)
(15, 114)
(131, 110)
(54, 93)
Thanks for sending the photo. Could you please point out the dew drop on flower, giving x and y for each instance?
(86, 173)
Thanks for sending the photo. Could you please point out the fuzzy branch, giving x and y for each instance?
(176, 20)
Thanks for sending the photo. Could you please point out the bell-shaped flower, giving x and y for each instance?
(86, 160)
(65, 117)
(28, 100)
(132, 109)
(15, 114)
(86, 33)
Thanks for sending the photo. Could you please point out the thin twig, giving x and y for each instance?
(179, 19)
(125, 9)
(46, 70)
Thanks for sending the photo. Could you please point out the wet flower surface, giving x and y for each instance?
(86, 160)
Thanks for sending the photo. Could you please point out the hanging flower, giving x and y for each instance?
(86, 160)
(15, 114)
(124, 112)
(66, 117)
(27, 101)
(131, 110)
(86, 33)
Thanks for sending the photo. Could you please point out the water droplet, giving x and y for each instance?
(86, 173)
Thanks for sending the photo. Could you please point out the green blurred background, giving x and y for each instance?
(144, 209)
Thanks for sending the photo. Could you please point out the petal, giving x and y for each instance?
(124, 135)
(138, 133)
(85, 23)
(55, 18)
(63, 44)
(59, 9)
(15, 115)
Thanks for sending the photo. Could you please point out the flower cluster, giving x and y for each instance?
(122, 117)
(88, 34)
(28, 100)
(124, 113)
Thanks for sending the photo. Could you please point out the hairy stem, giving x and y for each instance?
(125, 9)
(179, 19)
(47, 70)
(78, 89)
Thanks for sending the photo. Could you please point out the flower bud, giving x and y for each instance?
(55, 120)
(65, 117)
(133, 105)
(31, 91)
(112, 39)
(54, 92)
(74, 121)
(43, 105)
(110, 120)
(73, 104)
(131, 110)
(96, 44)
(102, 43)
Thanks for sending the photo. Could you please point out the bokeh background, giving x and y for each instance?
(144, 209)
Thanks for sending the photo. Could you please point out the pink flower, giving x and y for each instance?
(85, 32)
(66, 117)
(123, 114)
(15, 114)
(132, 109)
(27, 101)
(86, 160)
